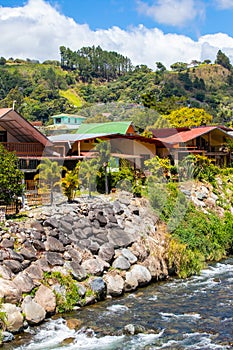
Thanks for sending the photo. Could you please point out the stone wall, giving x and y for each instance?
(107, 245)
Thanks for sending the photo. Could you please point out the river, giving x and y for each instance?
(195, 313)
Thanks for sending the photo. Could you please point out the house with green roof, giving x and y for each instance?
(125, 142)
(121, 128)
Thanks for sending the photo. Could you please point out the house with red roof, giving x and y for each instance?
(29, 144)
(210, 141)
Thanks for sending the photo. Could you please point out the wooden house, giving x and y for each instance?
(210, 141)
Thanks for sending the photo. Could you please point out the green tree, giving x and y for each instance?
(70, 183)
(11, 177)
(188, 117)
(179, 66)
(87, 173)
(49, 176)
(223, 60)
(160, 67)
(104, 150)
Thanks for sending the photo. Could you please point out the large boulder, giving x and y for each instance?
(9, 293)
(77, 271)
(24, 282)
(129, 255)
(121, 263)
(46, 298)
(106, 252)
(54, 245)
(34, 312)
(131, 282)
(141, 274)
(115, 284)
(120, 238)
(95, 266)
(99, 288)
(14, 318)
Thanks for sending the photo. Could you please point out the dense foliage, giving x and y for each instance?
(92, 82)
(11, 185)
(93, 62)
(194, 237)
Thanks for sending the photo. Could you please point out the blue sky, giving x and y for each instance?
(146, 31)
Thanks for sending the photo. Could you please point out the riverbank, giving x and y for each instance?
(70, 255)
(60, 258)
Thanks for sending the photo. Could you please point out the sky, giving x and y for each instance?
(146, 31)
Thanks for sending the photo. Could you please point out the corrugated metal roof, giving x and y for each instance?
(20, 128)
(185, 136)
(75, 137)
(107, 128)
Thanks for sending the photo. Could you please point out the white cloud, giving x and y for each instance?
(224, 4)
(172, 12)
(37, 30)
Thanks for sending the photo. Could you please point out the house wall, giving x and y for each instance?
(68, 120)
(10, 138)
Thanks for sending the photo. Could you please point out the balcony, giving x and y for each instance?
(24, 149)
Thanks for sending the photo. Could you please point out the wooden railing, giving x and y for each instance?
(24, 148)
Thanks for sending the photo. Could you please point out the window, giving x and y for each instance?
(58, 120)
(68, 120)
(3, 136)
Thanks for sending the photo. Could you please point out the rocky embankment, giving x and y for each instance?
(71, 255)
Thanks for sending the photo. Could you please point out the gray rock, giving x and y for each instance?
(52, 244)
(54, 258)
(117, 208)
(7, 337)
(82, 223)
(13, 265)
(94, 247)
(129, 255)
(14, 317)
(106, 252)
(51, 222)
(94, 266)
(79, 234)
(64, 238)
(5, 272)
(119, 238)
(24, 282)
(43, 265)
(37, 226)
(121, 263)
(9, 292)
(77, 271)
(131, 282)
(38, 245)
(12, 254)
(7, 243)
(141, 274)
(34, 271)
(115, 284)
(28, 254)
(99, 287)
(101, 218)
(34, 313)
(74, 254)
(65, 227)
(46, 298)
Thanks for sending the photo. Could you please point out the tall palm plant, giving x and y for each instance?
(88, 171)
(49, 176)
(70, 182)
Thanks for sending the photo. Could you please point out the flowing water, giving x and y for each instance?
(196, 313)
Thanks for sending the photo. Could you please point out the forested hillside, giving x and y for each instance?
(104, 86)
